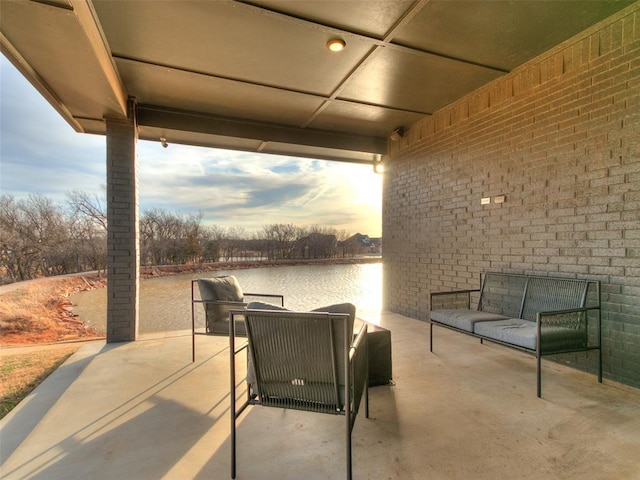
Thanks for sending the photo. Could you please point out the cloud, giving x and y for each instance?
(252, 190)
(39, 151)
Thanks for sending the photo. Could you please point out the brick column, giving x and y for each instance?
(123, 251)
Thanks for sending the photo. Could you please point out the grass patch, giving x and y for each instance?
(20, 373)
(38, 314)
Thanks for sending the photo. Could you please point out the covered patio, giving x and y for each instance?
(467, 411)
(533, 103)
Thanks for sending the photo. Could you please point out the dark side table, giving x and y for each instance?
(379, 347)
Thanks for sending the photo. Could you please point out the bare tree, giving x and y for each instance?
(38, 238)
(280, 238)
(212, 239)
(89, 229)
(232, 243)
(169, 238)
(91, 206)
(89, 244)
(33, 237)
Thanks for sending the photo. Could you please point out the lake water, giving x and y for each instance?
(165, 302)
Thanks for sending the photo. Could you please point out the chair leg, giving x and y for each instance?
(233, 449)
(366, 400)
(539, 374)
(193, 324)
(348, 445)
(232, 395)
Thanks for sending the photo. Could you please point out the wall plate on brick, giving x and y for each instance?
(485, 200)
(499, 199)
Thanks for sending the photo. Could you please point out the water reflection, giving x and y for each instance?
(165, 301)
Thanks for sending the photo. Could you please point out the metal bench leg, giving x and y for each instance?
(430, 337)
(539, 374)
(600, 364)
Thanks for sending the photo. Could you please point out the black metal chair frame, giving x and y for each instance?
(354, 351)
(235, 305)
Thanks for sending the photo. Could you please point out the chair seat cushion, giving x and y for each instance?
(463, 319)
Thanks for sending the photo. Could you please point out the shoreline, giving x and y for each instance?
(40, 312)
(164, 270)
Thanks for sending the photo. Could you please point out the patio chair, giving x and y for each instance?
(303, 361)
(218, 295)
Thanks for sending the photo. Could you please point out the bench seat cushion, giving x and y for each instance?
(523, 333)
(462, 318)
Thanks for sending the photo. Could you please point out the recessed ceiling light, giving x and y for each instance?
(336, 44)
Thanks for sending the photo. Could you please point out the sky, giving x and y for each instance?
(41, 153)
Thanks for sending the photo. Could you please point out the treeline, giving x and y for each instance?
(39, 238)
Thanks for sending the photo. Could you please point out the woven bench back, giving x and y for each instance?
(548, 294)
(521, 296)
(502, 294)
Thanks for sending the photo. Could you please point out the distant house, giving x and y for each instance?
(360, 244)
(316, 245)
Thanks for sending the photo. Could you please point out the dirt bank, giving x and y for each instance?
(41, 312)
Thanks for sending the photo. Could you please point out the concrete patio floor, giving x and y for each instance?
(142, 410)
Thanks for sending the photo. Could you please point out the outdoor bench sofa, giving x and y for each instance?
(536, 314)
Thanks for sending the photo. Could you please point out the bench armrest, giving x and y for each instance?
(452, 299)
(568, 329)
(576, 318)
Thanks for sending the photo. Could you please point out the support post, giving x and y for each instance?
(123, 250)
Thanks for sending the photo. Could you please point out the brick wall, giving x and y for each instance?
(560, 139)
(123, 251)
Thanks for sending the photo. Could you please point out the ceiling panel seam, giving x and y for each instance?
(377, 44)
(402, 20)
(366, 38)
(263, 85)
(129, 59)
(407, 16)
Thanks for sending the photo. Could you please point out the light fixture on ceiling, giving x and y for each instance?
(336, 44)
(163, 142)
(397, 134)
